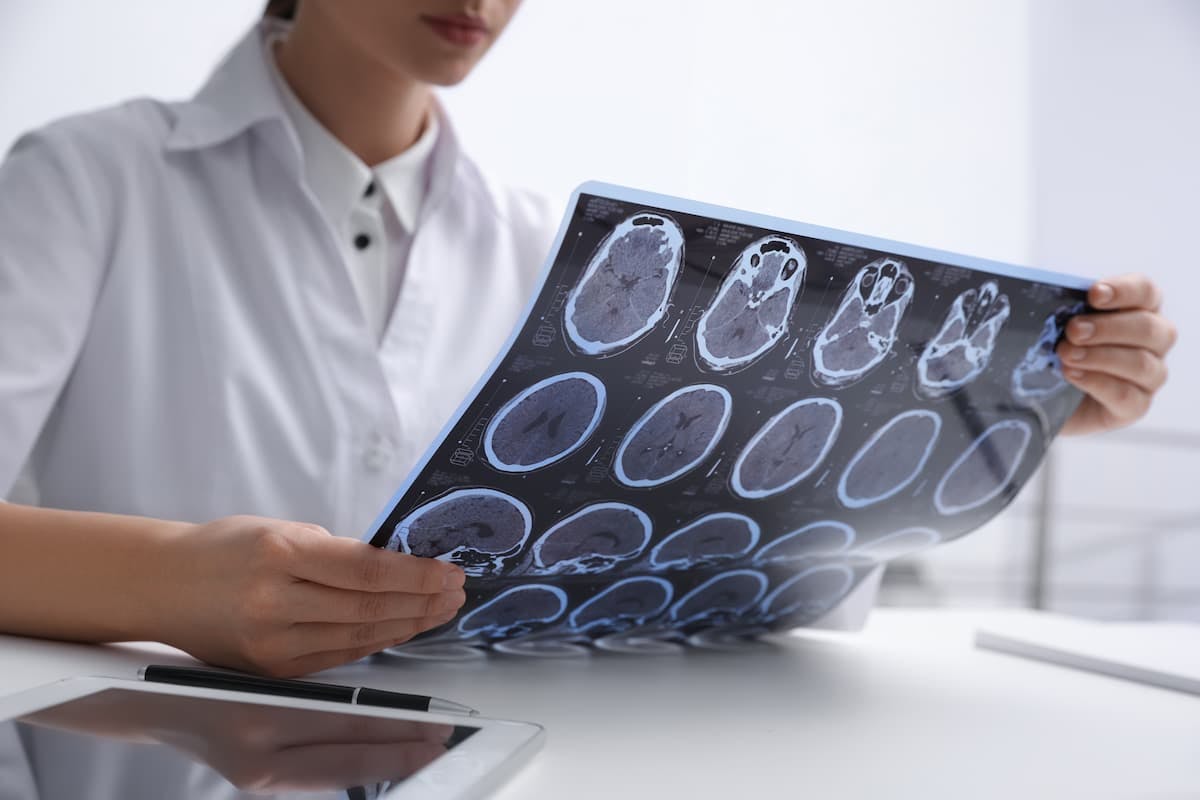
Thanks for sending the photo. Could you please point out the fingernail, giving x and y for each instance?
(1084, 330)
(1074, 374)
(1077, 354)
(1102, 293)
(454, 579)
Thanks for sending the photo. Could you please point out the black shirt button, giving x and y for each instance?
(362, 241)
(370, 190)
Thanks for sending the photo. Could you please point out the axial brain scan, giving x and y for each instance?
(627, 285)
(891, 459)
(823, 538)
(863, 329)
(593, 539)
(476, 529)
(675, 435)
(962, 348)
(750, 311)
(516, 611)
(810, 594)
(709, 540)
(545, 422)
(986, 468)
(626, 604)
(788, 448)
(1039, 374)
(721, 599)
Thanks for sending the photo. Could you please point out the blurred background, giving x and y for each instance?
(1058, 133)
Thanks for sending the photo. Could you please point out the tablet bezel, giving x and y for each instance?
(495, 752)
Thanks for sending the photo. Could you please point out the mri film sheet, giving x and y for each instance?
(711, 424)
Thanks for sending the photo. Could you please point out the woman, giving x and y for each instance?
(259, 300)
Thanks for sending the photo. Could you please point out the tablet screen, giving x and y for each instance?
(126, 744)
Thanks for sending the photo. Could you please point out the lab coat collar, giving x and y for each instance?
(240, 95)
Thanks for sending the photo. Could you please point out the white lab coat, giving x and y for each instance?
(179, 336)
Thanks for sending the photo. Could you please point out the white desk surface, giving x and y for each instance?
(907, 708)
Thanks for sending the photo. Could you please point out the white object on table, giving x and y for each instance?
(1158, 653)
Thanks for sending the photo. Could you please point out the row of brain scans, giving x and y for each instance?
(743, 598)
(486, 532)
(626, 289)
(548, 421)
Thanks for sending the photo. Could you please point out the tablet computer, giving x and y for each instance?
(107, 738)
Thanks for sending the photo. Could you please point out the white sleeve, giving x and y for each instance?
(52, 264)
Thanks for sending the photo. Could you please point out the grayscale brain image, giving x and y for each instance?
(710, 426)
(626, 604)
(545, 422)
(985, 469)
(963, 346)
(822, 538)
(709, 540)
(474, 528)
(863, 328)
(594, 539)
(1039, 374)
(891, 459)
(751, 309)
(721, 599)
(519, 609)
(675, 435)
(788, 449)
(624, 290)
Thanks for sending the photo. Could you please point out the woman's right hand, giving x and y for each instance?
(286, 598)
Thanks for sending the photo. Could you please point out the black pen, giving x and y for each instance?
(305, 690)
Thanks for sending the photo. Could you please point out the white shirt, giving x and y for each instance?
(374, 211)
(180, 337)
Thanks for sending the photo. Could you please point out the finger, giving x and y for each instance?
(1126, 291)
(327, 659)
(316, 637)
(1133, 364)
(1126, 328)
(313, 602)
(355, 565)
(1123, 401)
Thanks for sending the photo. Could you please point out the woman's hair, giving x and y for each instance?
(284, 9)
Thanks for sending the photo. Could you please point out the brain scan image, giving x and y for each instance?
(810, 594)
(1039, 374)
(899, 543)
(626, 604)
(675, 435)
(862, 331)
(626, 287)
(963, 346)
(890, 460)
(477, 529)
(986, 468)
(823, 538)
(788, 448)
(750, 311)
(721, 599)
(593, 539)
(709, 540)
(515, 612)
(544, 423)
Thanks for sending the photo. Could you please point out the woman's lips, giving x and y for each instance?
(459, 30)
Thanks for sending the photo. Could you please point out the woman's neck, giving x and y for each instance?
(376, 113)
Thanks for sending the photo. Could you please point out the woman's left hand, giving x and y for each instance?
(1117, 353)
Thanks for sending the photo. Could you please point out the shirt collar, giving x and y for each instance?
(241, 95)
